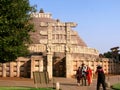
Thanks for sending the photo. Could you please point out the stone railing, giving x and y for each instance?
(86, 50)
(22, 67)
(109, 66)
(69, 24)
(41, 15)
(15, 69)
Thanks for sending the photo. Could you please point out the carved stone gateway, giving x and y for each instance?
(59, 37)
(65, 50)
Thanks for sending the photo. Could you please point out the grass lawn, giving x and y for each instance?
(116, 86)
(23, 88)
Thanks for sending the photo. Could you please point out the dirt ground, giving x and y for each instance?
(65, 83)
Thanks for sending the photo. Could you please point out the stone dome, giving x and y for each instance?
(46, 17)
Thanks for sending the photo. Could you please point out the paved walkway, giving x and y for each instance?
(65, 84)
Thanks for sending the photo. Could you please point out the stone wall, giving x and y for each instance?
(18, 68)
(109, 66)
(24, 67)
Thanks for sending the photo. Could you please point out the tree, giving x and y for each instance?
(14, 28)
(114, 53)
(108, 54)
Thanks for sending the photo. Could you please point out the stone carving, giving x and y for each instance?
(48, 48)
(67, 48)
(43, 32)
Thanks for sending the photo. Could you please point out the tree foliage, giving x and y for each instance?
(114, 53)
(108, 54)
(14, 28)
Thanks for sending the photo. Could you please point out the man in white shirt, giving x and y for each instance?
(84, 69)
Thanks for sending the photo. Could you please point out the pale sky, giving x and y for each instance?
(98, 20)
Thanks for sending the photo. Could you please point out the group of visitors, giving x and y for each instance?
(84, 76)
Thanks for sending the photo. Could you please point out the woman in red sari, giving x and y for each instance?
(89, 75)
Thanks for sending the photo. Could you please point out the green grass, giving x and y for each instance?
(116, 86)
(23, 88)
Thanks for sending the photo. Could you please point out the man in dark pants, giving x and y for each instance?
(100, 78)
(84, 68)
(78, 76)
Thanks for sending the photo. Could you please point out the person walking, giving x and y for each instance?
(89, 75)
(84, 68)
(100, 78)
(78, 75)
